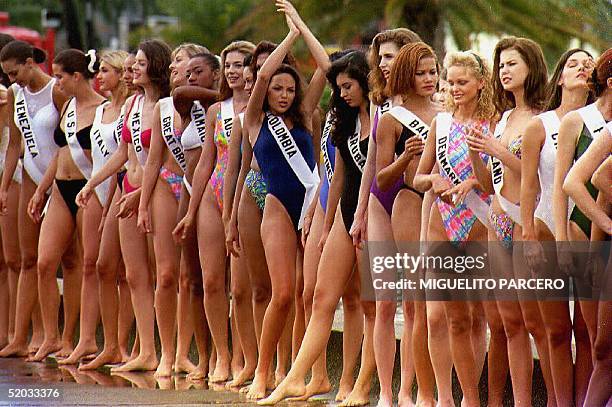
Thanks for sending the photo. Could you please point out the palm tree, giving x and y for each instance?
(552, 23)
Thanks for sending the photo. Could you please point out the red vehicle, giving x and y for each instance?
(46, 42)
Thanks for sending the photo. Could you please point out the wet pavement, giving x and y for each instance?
(43, 384)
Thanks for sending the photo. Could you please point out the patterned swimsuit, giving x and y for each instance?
(458, 220)
(221, 141)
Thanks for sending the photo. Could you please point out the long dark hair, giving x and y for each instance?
(554, 91)
(535, 83)
(158, 55)
(295, 112)
(355, 65)
(74, 60)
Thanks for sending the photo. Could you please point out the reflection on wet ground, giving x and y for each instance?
(80, 388)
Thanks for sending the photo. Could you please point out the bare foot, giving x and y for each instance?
(360, 396)
(278, 378)
(81, 350)
(35, 342)
(200, 372)
(141, 363)
(125, 356)
(244, 376)
(384, 402)
(257, 389)
(314, 387)
(344, 389)
(14, 349)
(222, 372)
(164, 369)
(183, 365)
(65, 350)
(45, 350)
(284, 390)
(104, 358)
(404, 399)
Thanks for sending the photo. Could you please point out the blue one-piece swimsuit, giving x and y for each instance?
(280, 178)
(324, 192)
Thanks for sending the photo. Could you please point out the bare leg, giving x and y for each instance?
(584, 362)
(72, 268)
(299, 322)
(9, 234)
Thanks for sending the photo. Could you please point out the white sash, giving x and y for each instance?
(593, 120)
(97, 140)
(119, 128)
(353, 146)
(307, 177)
(198, 117)
(136, 122)
(166, 115)
(24, 124)
(472, 200)
(410, 121)
(227, 116)
(76, 151)
(385, 107)
(497, 174)
(551, 124)
(329, 170)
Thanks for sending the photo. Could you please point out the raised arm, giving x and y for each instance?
(184, 96)
(581, 172)
(234, 167)
(254, 108)
(532, 145)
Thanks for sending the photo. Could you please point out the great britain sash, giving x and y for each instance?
(472, 200)
(329, 170)
(23, 122)
(198, 117)
(136, 123)
(353, 146)
(410, 121)
(593, 120)
(497, 174)
(81, 160)
(166, 114)
(307, 177)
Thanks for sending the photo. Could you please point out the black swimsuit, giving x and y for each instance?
(399, 149)
(69, 188)
(352, 181)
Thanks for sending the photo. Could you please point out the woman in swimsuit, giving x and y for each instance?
(286, 159)
(9, 252)
(108, 122)
(595, 164)
(349, 124)
(578, 130)
(166, 161)
(470, 105)
(70, 168)
(519, 83)
(567, 90)
(206, 202)
(42, 100)
(401, 133)
(191, 102)
(152, 74)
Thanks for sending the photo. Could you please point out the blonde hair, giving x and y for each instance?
(190, 49)
(245, 48)
(479, 68)
(115, 59)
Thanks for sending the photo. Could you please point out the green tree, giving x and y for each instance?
(552, 23)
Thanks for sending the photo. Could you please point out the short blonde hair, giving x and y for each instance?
(115, 59)
(191, 49)
(479, 68)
